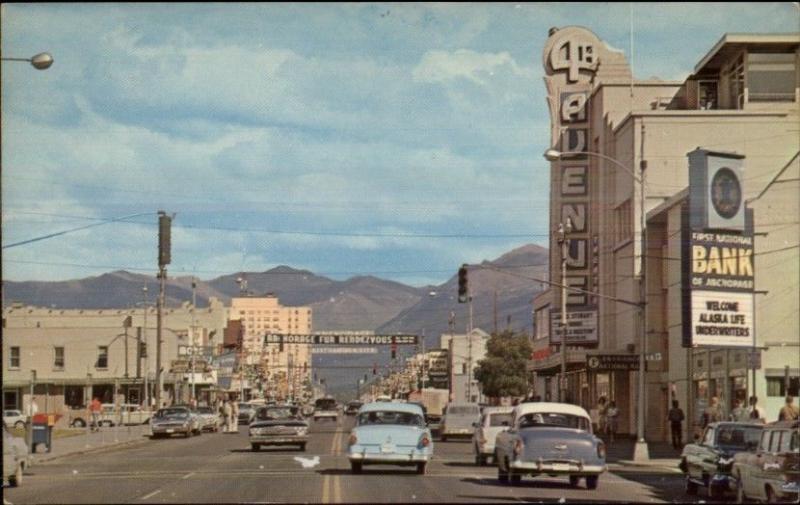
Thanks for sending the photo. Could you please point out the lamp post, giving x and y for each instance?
(640, 451)
(41, 61)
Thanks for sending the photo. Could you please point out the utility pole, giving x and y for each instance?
(194, 309)
(146, 359)
(127, 323)
(164, 257)
(563, 231)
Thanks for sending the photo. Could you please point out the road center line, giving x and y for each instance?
(145, 497)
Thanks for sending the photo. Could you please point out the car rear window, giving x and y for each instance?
(547, 419)
(269, 414)
(463, 410)
(499, 419)
(390, 417)
(738, 437)
(325, 404)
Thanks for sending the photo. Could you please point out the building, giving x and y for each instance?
(741, 97)
(285, 372)
(465, 351)
(71, 356)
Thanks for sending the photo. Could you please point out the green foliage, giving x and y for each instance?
(504, 370)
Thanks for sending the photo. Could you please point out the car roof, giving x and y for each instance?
(783, 425)
(393, 406)
(498, 410)
(551, 408)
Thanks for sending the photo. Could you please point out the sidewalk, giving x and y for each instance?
(663, 458)
(87, 441)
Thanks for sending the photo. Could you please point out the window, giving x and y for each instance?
(771, 77)
(786, 439)
(623, 222)
(774, 441)
(777, 387)
(14, 359)
(735, 74)
(707, 95)
(58, 360)
(102, 357)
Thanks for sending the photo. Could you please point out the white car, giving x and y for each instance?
(326, 408)
(13, 419)
(493, 421)
(15, 458)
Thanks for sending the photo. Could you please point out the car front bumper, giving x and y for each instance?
(457, 432)
(170, 430)
(278, 439)
(556, 467)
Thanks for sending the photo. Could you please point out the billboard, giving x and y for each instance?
(581, 327)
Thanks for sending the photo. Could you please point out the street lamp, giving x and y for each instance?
(41, 61)
(640, 451)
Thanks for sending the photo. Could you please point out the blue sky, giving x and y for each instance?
(397, 140)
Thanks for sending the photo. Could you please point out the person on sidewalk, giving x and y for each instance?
(713, 413)
(612, 420)
(95, 408)
(789, 412)
(602, 415)
(739, 413)
(755, 413)
(676, 418)
(227, 411)
(235, 415)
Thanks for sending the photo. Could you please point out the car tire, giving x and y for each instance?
(592, 481)
(574, 480)
(19, 424)
(79, 423)
(255, 447)
(691, 486)
(480, 459)
(355, 466)
(16, 479)
(421, 468)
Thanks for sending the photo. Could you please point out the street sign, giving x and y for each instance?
(608, 362)
(653, 356)
(340, 339)
(754, 360)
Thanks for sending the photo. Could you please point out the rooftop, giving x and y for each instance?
(732, 43)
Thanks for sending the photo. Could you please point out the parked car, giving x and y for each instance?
(493, 420)
(278, 425)
(14, 419)
(772, 471)
(390, 433)
(175, 420)
(210, 418)
(459, 420)
(550, 438)
(708, 461)
(125, 413)
(246, 413)
(326, 408)
(15, 458)
(352, 407)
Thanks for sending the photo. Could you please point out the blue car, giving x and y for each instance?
(389, 433)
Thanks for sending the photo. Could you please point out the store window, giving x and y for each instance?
(776, 386)
(771, 77)
(13, 360)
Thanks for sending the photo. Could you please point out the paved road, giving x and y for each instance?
(220, 468)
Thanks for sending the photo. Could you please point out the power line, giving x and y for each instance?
(64, 232)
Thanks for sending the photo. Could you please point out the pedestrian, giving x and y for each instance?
(602, 415)
(226, 412)
(676, 418)
(755, 413)
(789, 412)
(95, 408)
(234, 415)
(713, 413)
(739, 413)
(612, 420)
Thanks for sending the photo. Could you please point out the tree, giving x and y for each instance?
(504, 370)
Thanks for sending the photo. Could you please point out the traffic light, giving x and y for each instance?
(164, 230)
(142, 349)
(462, 285)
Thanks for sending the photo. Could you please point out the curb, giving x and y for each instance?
(102, 448)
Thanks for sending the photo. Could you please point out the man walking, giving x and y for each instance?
(739, 413)
(676, 418)
(789, 412)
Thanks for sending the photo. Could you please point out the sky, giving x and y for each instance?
(395, 140)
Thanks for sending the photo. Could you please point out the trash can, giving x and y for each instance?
(42, 427)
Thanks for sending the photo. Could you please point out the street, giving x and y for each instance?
(220, 468)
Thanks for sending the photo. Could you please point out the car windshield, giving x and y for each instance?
(549, 419)
(499, 419)
(738, 437)
(354, 404)
(390, 417)
(172, 414)
(272, 413)
(463, 410)
(325, 404)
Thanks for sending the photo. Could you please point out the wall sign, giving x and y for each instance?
(610, 362)
(581, 327)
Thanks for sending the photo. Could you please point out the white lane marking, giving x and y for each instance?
(187, 475)
(145, 497)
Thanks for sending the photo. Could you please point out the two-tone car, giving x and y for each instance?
(458, 420)
(771, 472)
(352, 407)
(210, 419)
(278, 425)
(493, 420)
(554, 439)
(390, 433)
(326, 408)
(175, 421)
(708, 461)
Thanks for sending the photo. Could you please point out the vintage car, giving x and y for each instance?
(173, 421)
(772, 472)
(124, 414)
(14, 419)
(326, 408)
(550, 438)
(493, 420)
(390, 433)
(458, 420)
(352, 407)
(246, 413)
(278, 425)
(15, 458)
(209, 418)
(708, 461)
